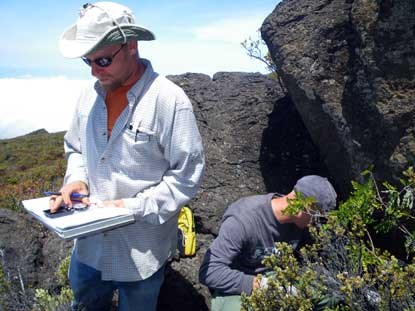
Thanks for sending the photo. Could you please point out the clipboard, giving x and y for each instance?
(78, 223)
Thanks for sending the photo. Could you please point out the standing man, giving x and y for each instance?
(250, 228)
(133, 143)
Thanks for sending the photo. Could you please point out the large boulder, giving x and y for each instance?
(254, 139)
(349, 67)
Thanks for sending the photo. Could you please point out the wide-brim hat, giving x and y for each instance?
(101, 24)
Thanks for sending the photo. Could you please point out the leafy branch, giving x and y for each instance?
(254, 49)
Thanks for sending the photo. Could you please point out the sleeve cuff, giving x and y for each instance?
(134, 205)
(73, 178)
(246, 285)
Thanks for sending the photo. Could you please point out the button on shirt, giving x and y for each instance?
(153, 160)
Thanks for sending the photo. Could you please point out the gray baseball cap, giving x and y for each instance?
(320, 189)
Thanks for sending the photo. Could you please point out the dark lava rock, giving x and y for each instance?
(349, 68)
(29, 256)
(254, 139)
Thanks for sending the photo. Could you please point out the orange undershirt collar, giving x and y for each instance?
(116, 101)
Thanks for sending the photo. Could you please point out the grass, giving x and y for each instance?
(29, 165)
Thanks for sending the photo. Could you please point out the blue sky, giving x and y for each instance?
(195, 36)
(192, 36)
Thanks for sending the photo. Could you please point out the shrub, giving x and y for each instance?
(45, 301)
(29, 165)
(342, 269)
(48, 302)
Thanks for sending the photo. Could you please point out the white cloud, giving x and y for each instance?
(209, 48)
(177, 57)
(233, 30)
(30, 104)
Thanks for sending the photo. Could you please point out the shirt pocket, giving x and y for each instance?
(142, 137)
(138, 149)
(138, 136)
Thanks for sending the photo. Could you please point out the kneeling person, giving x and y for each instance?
(249, 230)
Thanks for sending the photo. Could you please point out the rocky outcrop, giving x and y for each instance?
(37, 132)
(349, 68)
(254, 139)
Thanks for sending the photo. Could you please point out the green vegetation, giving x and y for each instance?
(45, 301)
(28, 165)
(343, 269)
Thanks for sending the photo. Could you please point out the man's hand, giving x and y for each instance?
(65, 197)
(259, 282)
(256, 283)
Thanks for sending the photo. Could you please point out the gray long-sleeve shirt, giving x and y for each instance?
(248, 233)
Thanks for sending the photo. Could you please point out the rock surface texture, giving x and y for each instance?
(349, 67)
(254, 140)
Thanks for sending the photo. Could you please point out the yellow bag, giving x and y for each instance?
(187, 233)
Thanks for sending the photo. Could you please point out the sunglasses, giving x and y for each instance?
(103, 61)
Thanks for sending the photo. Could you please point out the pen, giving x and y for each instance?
(74, 195)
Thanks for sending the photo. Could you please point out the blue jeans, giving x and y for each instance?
(91, 293)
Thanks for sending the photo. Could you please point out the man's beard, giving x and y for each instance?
(115, 84)
(111, 86)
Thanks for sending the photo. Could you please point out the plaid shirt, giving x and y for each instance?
(153, 161)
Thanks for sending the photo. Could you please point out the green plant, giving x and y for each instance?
(300, 203)
(62, 272)
(45, 301)
(48, 302)
(258, 50)
(255, 49)
(342, 269)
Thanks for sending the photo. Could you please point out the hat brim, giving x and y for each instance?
(71, 47)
